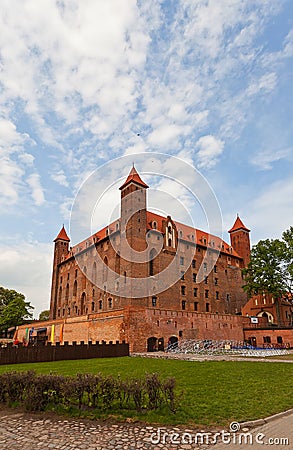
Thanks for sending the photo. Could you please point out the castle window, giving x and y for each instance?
(207, 307)
(180, 234)
(93, 306)
(217, 295)
(205, 280)
(169, 242)
(154, 225)
(192, 237)
(205, 266)
(151, 261)
(68, 312)
(67, 293)
(169, 229)
(76, 309)
(183, 290)
(279, 340)
(68, 276)
(206, 293)
(154, 301)
(195, 306)
(215, 268)
(181, 260)
(194, 292)
(125, 277)
(182, 275)
(193, 263)
(158, 323)
(59, 313)
(110, 302)
(75, 273)
(105, 269)
(74, 288)
(194, 277)
(183, 304)
(267, 339)
(60, 296)
(216, 281)
(228, 297)
(100, 304)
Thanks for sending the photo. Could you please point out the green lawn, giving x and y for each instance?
(210, 392)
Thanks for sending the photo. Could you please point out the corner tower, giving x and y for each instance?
(61, 248)
(240, 240)
(133, 210)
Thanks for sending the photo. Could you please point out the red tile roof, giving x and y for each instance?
(133, 176)
(185, 232)
(62, 235)
(238, 225)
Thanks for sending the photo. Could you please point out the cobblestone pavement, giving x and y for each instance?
(23, 431)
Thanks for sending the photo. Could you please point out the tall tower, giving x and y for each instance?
(240, 241)
(133, 210)
(60, 249)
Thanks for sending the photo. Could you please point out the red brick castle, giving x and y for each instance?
(111, 287)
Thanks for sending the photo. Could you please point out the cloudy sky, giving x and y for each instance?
(84, 82)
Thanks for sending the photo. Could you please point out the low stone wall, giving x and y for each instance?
(47, 353)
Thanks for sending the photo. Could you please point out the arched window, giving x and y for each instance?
(94, 273)
(83, 283)
(105, 269)
(67, 293)
(74, 288)
(82, 303)
(110, 303)
(59, 296)
(93, 306)
(153, 254)
(117, 265)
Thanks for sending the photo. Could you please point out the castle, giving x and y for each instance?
(150, 281)
(165, 279)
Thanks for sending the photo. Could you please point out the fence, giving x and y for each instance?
(48, 352)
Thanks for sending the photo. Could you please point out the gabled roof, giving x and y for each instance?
(238, 225)
(62, 236)
(133, 177)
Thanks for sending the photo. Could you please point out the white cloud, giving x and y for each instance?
(60, 178)
(209, 150)
(264, 159)
(36, 189)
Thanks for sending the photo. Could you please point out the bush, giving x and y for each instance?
(36, 392)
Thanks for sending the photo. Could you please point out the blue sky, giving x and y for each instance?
(81, 83)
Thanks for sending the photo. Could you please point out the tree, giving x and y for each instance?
(44, 315)
(14, 310)
(270, 269)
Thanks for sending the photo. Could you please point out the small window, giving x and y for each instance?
(228, 297)
(216, 281)
(207, 307)
(170, 242)
(110, 303)
(183, 290)
(154, 301)
(183, 304)
(194, 277)
(215, 269)
(154, 225)
(93, 306)
(205, 266)
(100, 304)
(194, 292)
(181, 260)
(68, 276)
(205, 280)
(267, 339)
(217, 295)
(182, 275)
(195, 306)
(75, 273)
(193, 263)
(180, 234)
(279, 340)
(206, 293)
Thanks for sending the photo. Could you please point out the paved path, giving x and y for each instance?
(23, 431)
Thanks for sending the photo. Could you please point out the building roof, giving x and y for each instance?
(133, 177)
(62, 235)
(238, 225)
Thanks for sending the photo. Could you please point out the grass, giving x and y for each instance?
(210, 392)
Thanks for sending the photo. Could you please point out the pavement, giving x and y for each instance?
(26, 431)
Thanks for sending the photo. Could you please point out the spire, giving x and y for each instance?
(62, 236)
(135, 178)
(238, 225)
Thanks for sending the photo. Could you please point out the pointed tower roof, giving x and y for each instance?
(62, 236)
(133, 177)
(238, 225)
